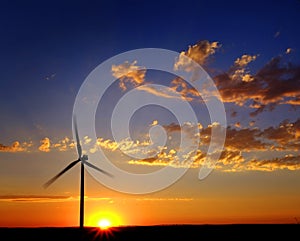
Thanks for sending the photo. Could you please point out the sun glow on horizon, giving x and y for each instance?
(104, 223)
(104, 220)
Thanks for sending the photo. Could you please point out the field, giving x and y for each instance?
(162, 232)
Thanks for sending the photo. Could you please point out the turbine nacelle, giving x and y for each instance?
(84, 158)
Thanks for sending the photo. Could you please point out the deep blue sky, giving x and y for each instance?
(49, 47)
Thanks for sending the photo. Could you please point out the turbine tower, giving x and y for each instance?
(83, 160)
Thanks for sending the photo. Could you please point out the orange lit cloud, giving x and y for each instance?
(275, 83)
(245, 140)
(239, 71)
(244, 60)
(239, 141)
(288, 50)
(285, 137)
(129, 73)
(192, 160)
(184, 89)
(154, 123)
(288, 162)
(238, 124)
(64, 144)
(16, 147)
(198, 53)
(127, 146)
(45, 145)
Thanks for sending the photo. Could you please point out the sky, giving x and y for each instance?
(250, 50)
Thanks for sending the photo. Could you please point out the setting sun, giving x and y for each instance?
(104, 224)
(104, 220)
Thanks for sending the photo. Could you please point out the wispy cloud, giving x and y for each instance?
(168, 93)
(276, 35)
(165, 199)
(33, 198)
(50, 77)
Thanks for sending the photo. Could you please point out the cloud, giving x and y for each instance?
(288, 162)
(276, 35)
(238, 124)
(168, 93)
(244, 60)
(32, 198)
(16, 147)
(275, 83)
(45, 145)
(184, 89)
(176, 199)
(284, 137)
(63, 145)
(191, 160)
(239, 72)
(50, 77)
(245, 140)
(198, 53)
(251, 123)
(154, 123)
(107, 144)
(163, 158)
(242, 139)
(129, 73)
(128, 147)
(288, 50)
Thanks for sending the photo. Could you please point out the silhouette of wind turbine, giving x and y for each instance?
(83, 159)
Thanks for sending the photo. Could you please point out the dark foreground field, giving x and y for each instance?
(170, 232)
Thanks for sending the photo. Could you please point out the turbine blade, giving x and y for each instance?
(53, 179)
(79, 150)
(97, 168)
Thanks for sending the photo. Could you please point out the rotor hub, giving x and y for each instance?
(84, 158)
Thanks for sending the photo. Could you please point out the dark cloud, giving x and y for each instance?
(288, 162)
(275, 83)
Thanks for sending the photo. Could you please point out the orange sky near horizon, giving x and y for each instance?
(228, 203)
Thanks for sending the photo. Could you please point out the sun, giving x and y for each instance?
(104, 220)
(104, 223)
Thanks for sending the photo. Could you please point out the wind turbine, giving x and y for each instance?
(83, 160)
